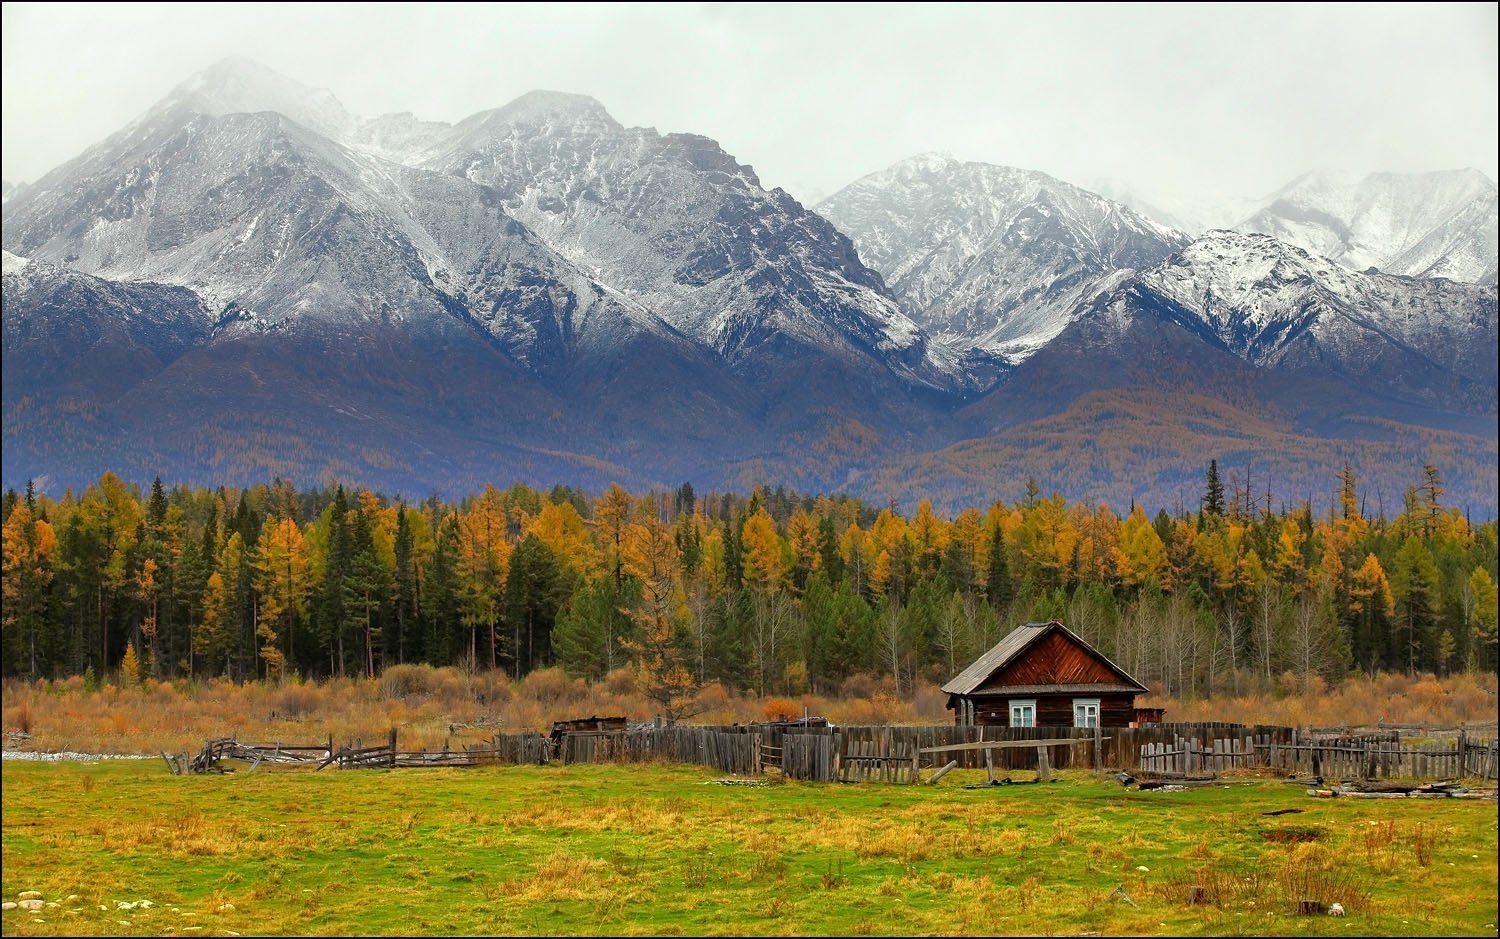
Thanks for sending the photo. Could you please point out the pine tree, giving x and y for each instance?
(407, 612)
(535, 589)
(442, 615)
(367, 589)
(998, 588)
(1213, 495)
(592, 631)
(830, 560)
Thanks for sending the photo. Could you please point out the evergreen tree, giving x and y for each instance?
(830, 561)
(442, 607)
(332, 614)
(535, 589)
(592, 631)
(998, 588)
(407, 612)
(1415, 584)
(367, 588)
(1213, 495)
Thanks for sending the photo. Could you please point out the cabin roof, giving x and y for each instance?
(1014, 645)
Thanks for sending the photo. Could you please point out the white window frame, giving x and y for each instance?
(1026, 708)
(1081, 712)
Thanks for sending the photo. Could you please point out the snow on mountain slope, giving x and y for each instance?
(72, 336)
(1422, 224)
(250, 210)
(280, 227)
(1275, 305)
(990, 257)
(683, 229)
(268, 198)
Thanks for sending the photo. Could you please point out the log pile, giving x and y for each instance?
(1369, 789)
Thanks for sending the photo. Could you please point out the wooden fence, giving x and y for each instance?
(1369, 756)
(885, 753)
(859, 753)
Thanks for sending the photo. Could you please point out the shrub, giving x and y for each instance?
(621, 681)
(297, 700)
(780, 709)
(422, 681)
(548, 686)
(859, 685)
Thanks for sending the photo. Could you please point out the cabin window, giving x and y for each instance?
(1085, 712)
(1023, 713)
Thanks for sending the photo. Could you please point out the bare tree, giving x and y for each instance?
(1268, 605)
(775, 623)
(892, 641)
(1310, 640)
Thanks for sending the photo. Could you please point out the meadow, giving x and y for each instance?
(650, 849)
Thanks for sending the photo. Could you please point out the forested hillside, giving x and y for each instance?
(771, 593)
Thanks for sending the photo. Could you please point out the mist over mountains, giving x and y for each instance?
(248, 280)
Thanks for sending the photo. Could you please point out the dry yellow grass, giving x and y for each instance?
(431, 706)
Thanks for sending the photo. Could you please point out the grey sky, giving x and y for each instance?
(1231, 100)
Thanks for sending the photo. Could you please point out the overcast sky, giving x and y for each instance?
(1202, 101)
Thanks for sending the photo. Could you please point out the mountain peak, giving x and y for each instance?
(933, 161)
(543, 106)
(238, 85)
(1434, 224)
(987, 257)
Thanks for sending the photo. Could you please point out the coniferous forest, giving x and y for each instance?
(769, 593)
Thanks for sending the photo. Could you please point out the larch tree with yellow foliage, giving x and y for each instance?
(649, 554)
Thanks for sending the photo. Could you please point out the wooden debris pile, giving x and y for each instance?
(211, 758)
(1370, 789)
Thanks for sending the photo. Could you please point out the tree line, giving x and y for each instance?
(773, 592)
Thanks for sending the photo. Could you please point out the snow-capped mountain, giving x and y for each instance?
(991, 258)
(605, 287)
(1421, 224)
(268, 198)
(248, 280)
(1277, 306)
(681, 228)
(1440, 224)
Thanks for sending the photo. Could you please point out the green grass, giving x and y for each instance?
(653, 850)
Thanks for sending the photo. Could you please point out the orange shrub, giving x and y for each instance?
(780, 709)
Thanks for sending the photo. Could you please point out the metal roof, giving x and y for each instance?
(1018, 641)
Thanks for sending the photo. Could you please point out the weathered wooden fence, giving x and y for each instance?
(1367, 756)
(886, 753)
(858, 753)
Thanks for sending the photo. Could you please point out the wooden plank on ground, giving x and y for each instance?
(942, 772)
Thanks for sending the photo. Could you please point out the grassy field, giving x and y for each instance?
(662, 850)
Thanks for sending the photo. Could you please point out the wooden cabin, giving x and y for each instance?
(1044, 675)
